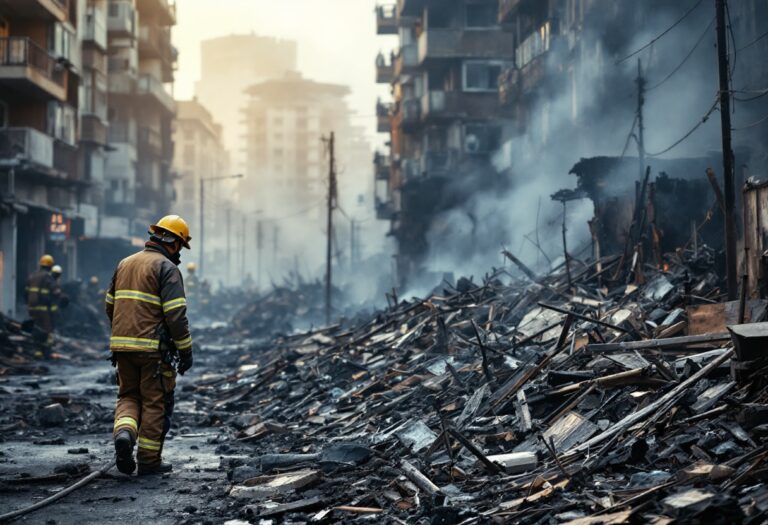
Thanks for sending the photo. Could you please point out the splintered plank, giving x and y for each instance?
(570, 430)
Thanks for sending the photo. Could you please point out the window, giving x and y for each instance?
(481, 76)
(481, 138)
(481, 15)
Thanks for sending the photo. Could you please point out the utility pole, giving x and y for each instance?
(728, 171)
(275, 245)
(640, 122)
(351, 243)
(329, 225)
(201, 261)
(242, 249)
(229, 244)
(259, 240)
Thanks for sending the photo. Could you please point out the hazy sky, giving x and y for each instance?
(337, 41)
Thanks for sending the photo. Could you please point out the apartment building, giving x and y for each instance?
(39, 175)
(286, 176)
(142, 60)
(446, 119)
(200, 155)
(229, 65)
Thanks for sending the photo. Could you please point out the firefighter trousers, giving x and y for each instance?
(144, 402)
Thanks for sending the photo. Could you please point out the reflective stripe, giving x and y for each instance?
(183, 344)
(138, 296)
(54, 308)
(149, 444)
(110, 298)
(40, 308)
(174, 304)
(127, 421)
(41, 291)
(134, 342)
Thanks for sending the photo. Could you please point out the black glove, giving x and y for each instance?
(185, 361)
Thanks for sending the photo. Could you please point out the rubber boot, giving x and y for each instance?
(124, 452)
(162, 468)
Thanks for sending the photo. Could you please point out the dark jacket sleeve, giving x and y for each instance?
(109, 299)
(175, 306)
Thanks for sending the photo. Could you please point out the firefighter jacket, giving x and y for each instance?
(146, 300)
(42, 292)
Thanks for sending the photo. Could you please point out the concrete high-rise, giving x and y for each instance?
(231, 64)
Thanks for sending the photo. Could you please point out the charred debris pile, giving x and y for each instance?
(568, 398)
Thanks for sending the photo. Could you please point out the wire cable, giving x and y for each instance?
(754, 124)
(760, 94)
(649, 44)
(691, 132)
(687, 57)
(747, 46)
(629, 137)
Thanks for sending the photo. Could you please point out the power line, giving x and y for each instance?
(760, 94)
(629, 137)
(649, 44)
(754, 124)
(687, 57)
(691, 132)
(750, 44)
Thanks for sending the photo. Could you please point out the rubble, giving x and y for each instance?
(518, 399)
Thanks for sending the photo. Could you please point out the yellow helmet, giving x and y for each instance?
(174, 225)
(191, 267)
(46, 261)
(94, 280)
(57, 270)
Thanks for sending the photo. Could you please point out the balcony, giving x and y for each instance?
(438, 163)
(386, 19)
(65, 159)
(93, 129)
(29, 68)
(154, 89)
(163, 10)
(155, 42)
(407, 60)
(95, 31)
(383, 112)
(50, 10)
(449, 44)
(408, 115)
(385, 71)
(28, 145)
(121, 83)
(518, 83)
(121, 21)
(437, 105)
(382, 164)
(150, 141)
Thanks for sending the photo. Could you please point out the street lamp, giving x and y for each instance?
(203, 180)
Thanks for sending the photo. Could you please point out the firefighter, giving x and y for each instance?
(62, 301)
(147, 307)
(192, 286)
(42, 295)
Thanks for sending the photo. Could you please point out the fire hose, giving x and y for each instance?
(63, 492)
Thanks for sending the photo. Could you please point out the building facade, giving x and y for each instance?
(229, 65)
(40, 61)
(288, 121)
(445, 120)
(200, 155)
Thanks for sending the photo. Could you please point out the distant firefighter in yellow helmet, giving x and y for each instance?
(42, 295)
(150, 343)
